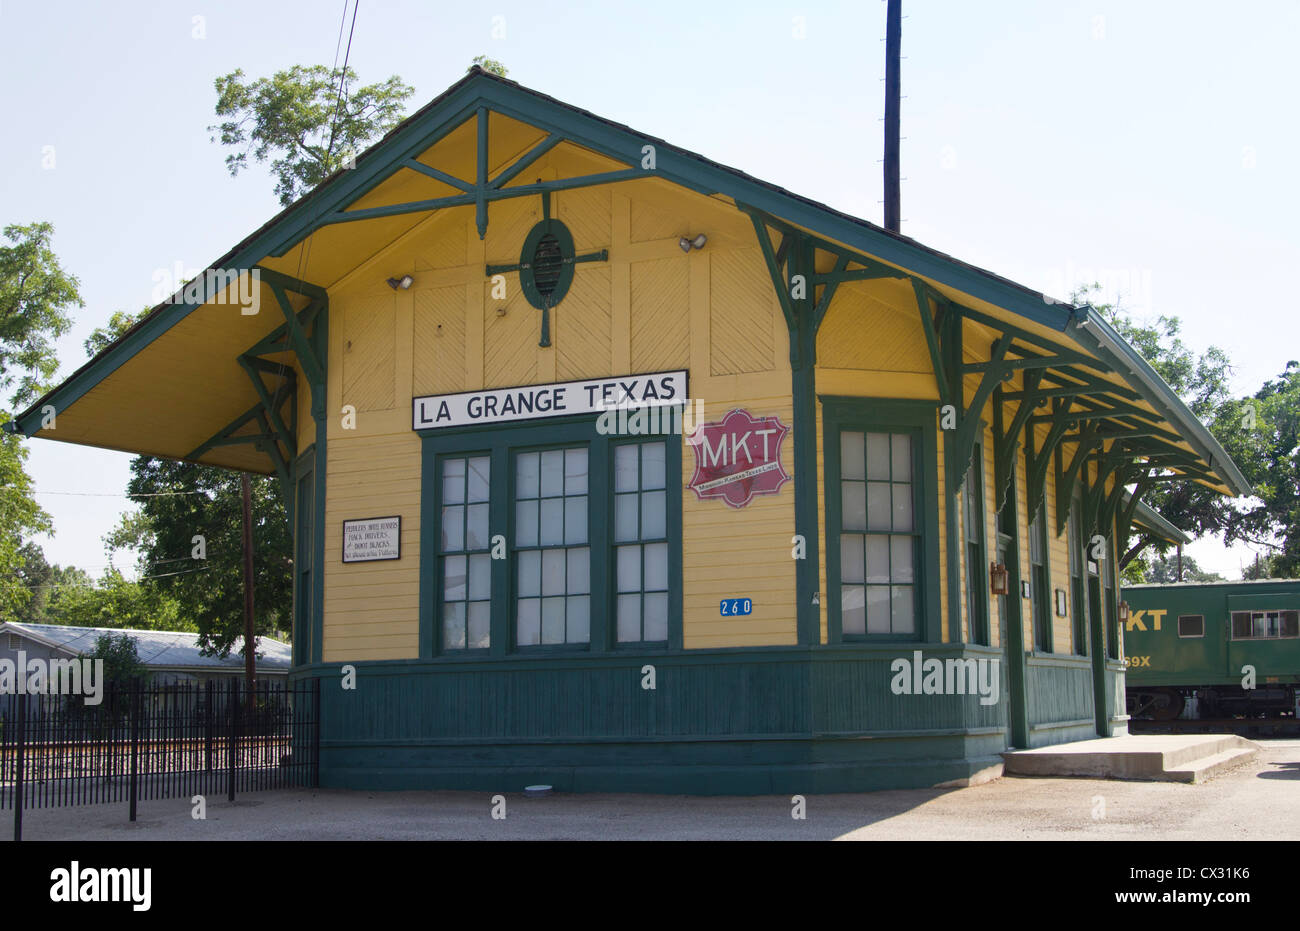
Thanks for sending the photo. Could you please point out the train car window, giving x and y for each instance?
(1191, 625)
(1265, 625)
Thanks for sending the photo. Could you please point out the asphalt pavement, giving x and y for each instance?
(1259, 801)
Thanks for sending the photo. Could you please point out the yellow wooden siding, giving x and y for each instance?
(372, 609)
(369, 347)
(871, 326)
(742, 307)
(740, 552)
(660, 337)
(580, 325)
(439, 340)
(990, 535)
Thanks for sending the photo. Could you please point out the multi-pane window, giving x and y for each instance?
(640, 535)
(464, 548)
(1080, 624)
(552, 556)
(1265, 625)
(1038, 588)
(878, 539)
(973, 531)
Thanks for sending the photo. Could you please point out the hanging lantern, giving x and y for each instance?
(999, 579)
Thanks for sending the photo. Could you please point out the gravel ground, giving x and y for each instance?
(1258, 801)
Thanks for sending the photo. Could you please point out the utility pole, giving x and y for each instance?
(249, 651)
(893, 42)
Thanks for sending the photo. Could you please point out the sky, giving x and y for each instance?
(1144, 145)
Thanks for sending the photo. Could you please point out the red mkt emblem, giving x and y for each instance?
(738, 458)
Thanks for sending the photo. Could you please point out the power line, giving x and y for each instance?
(119, 494)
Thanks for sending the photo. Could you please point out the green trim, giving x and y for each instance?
(302, 525)
(733, 720)
(501, 443)
(1005, 468)
(932, 340)
(918, 419)
(977, 571)
(320, 341)
(1043, 609)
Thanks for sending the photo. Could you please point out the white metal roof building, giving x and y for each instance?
(172, 656)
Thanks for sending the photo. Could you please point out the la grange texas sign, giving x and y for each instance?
(738, 457)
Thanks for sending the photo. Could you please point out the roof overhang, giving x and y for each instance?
(185, 348)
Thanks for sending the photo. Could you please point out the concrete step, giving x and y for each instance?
(1179, 758)
(1208, 767)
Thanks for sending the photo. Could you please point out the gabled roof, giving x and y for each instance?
(158, 649)
(622, 146)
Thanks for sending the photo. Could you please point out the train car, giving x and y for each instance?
(1213, 650)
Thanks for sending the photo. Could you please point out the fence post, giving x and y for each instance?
(234, 737)
(209, 718)
(135, 743)
(315, 733)
(18, 773)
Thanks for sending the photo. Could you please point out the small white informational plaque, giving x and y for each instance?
(368, 539)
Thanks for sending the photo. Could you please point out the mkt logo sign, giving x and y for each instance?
(738, 458)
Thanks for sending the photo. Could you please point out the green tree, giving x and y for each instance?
(102, 337)
(301, 121)
(1203, 383)
(1262, 433)
(20, 517)
(488, 64)
(115, 601)
(209, 590)
(35, 294)
(1164, 569)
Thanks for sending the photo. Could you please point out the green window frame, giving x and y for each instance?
(975, 549)
(1107, 572)
(464, 580)
(641, 544)
(854, 525)
(550, 546)
(529, 579)
(1039, 582)
(1078, 612)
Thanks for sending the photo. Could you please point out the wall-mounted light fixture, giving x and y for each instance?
(688, 243)
(999, 579)
(1026, 590)
(1123, 610)
(404, 282)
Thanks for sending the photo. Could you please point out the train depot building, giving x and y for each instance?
(613, 468)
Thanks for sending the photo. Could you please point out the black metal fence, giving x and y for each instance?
(153, 742)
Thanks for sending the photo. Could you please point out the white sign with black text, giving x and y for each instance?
(561, 399)
(369, 539)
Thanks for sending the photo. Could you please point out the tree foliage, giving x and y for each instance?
(488, 64)
(1260, 432)
(122, 665)
(35, 294)
(20, 517)
(299, 121)
(210, 589)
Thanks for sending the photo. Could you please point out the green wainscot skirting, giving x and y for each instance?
(742, 721)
